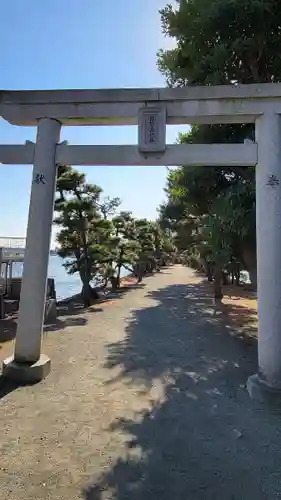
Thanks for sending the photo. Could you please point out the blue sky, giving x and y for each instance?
(80, 44)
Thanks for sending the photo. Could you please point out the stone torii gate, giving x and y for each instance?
(151, 109)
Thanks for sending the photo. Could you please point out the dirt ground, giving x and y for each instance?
(146, 401)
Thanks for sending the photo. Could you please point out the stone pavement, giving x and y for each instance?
(146, 401)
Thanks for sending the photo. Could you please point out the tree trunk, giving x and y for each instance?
(250, 260)
(218, 294)
(253, 278)
(210, 273)
(118, 276)
(237, 274)
(114, 283)
(140, 275)
(87, 294)
(225, 279)
(139, 271)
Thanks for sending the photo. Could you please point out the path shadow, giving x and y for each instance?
(182, 315)
(70, 313)
(8, 328)
(68, 322)
(7, 386)
(204, 439)
(240, 292)
(124, 290)
(74, 307)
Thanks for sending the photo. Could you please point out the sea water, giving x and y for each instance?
(66, 284)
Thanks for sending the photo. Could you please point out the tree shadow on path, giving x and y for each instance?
(204, 439)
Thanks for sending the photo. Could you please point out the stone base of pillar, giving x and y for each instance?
(25, 373)
(260, 391)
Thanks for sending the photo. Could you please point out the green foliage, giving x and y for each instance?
(126, 247)
(222, 42)
(97, 243)
(212, 210)
(85, 235)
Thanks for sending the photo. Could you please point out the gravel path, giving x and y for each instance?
(146, 401)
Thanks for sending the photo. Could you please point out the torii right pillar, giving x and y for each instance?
(267, 383)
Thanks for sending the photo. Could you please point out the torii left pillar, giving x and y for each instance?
(28, 364)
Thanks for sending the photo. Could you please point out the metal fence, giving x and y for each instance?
(12, 242)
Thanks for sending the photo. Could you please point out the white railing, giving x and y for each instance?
(12, 242)
(12, 248)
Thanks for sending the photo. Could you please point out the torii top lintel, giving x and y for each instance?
(194, 104)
